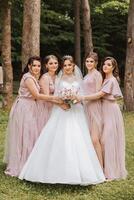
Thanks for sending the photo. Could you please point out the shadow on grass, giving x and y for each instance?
(43, 188)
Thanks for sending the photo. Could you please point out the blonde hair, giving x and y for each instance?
(92, 55)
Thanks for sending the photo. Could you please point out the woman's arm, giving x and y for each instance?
(35, 93)
(98, 82)
(44, 84)
(95, 96)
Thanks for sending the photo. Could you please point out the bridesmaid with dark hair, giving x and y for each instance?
(113, 138)
(91, 84)
(22, 126)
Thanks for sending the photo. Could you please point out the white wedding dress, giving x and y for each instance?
(64, 152)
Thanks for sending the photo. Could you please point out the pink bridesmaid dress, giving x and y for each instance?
(113, 138)
(22, 130)
(45, 108)
(91, 84)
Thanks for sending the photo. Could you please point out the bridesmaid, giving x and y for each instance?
(47, 85)
(22, 126)
(113, 138)
(91, 84)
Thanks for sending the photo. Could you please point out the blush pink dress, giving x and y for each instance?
(113, 138)
(91, 84)
(44, 107)
(22, 130)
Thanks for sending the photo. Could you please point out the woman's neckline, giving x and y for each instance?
(109, 77)
(68, 78)
(36, 78)
(52, 77)
(90, 72)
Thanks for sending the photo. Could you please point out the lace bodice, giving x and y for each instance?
(73, 86)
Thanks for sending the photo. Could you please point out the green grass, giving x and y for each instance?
(14, 189)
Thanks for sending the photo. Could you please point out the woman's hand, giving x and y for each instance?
(77, 99)
(65, 106)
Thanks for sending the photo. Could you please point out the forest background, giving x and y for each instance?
(57, 27)
(74, 27)
(41, 27)
(109, 28)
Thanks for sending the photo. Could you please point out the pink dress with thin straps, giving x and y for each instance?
(22, 130)
(44, 107)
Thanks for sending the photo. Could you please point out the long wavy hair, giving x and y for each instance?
(115, 66)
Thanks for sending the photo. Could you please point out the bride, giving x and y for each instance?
(64, 152)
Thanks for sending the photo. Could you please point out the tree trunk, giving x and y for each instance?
(31, 30)
(87, 30)
(6, 53)
(129, 68)
(77, 32)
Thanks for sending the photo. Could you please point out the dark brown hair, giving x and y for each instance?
(67, 57)
(114, 64)
(30, 62)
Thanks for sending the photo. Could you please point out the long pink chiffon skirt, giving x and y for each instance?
(94, 116)
(44, 112)
(22, 133)
(113, 140)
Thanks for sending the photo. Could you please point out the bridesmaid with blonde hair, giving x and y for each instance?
(91, 84)
(47, 87)
(113, 137)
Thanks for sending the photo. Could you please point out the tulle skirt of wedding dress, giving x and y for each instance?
(64, 152)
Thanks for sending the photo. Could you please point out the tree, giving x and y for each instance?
(87, 30)
(109, 27)
(31, 30)
(57, 28)
(77, 32)
(6, 53)
(108, 21)
(129, 68)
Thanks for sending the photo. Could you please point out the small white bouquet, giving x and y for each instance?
(67, 94)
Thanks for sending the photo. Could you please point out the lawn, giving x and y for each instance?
(14, 189)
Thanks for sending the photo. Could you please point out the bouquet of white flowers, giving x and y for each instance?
(67, 94)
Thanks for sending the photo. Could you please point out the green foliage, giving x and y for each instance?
(12, 188)
(1, 97)
(16, 23)
(56, 30)
(109, 24)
